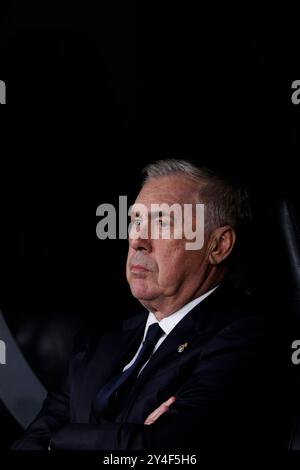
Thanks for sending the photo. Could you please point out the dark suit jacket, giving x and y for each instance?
(225, 382)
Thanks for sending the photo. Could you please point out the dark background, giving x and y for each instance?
(92, 96)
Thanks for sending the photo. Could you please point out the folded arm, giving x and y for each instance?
(225, 391)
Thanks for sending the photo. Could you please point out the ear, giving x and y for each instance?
(222, 243)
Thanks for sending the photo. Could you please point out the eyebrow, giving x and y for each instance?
(152, 214)
(134, 213)
(161, 214)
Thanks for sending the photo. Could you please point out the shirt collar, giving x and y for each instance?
(168, 323)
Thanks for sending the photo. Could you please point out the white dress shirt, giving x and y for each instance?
(167, 324)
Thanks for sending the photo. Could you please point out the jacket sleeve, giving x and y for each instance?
(53, 415)
(55, 411)
(222, 401)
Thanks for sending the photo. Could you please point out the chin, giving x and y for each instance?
(140, 290)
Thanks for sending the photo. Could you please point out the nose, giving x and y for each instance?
(140, 244)
(139, 239)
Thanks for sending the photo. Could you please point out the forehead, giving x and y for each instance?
(169, 189)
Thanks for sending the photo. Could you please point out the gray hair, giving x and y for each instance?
(226, 202)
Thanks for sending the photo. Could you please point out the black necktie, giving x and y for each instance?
(101, 401)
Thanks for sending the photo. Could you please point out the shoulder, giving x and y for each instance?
(91, 335)
(234, 319)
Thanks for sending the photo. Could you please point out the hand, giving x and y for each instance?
(159, 411)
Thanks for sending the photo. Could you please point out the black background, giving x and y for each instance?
(92, 96)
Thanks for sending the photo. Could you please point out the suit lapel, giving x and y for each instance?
(183, 333)
(95, 369)
(199, 323)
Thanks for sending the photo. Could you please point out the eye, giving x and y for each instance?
(137, 222)
(163, 223)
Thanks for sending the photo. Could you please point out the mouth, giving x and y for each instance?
(137, 268)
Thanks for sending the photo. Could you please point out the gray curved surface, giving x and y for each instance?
(20, 390)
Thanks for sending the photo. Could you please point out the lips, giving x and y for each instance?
(138, 268)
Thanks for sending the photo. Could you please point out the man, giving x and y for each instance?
(193, 370)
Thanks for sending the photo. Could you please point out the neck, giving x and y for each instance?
(166, 306)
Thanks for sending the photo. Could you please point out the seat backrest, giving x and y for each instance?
(21, 392)
(289, 227)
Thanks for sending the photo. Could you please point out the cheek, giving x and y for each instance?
(171, 263)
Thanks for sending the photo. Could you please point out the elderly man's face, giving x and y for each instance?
(162, 273)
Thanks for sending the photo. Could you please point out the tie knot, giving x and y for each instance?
(154, 333)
